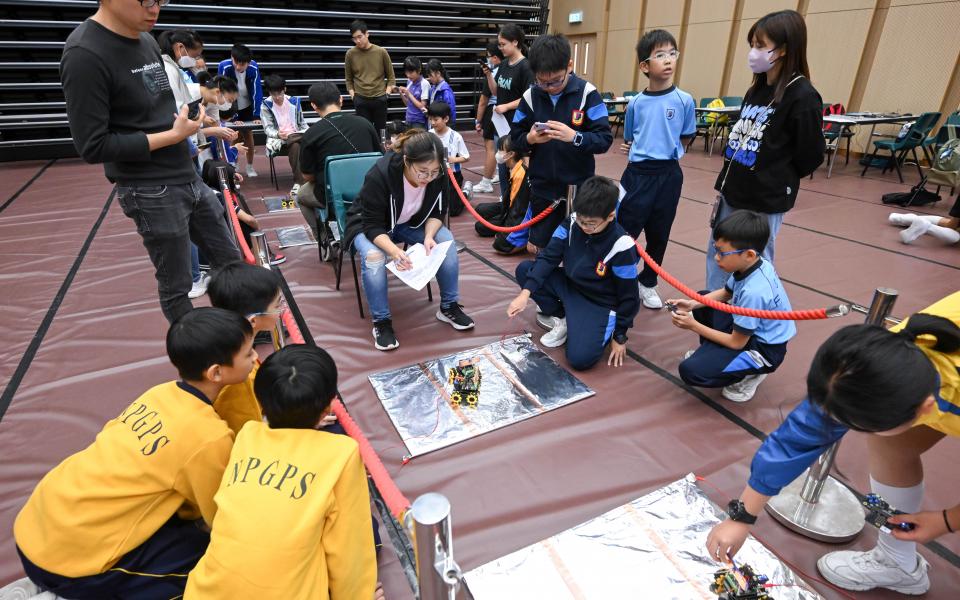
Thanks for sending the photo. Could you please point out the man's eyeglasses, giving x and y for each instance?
(546, 85)
(722, 254)
(662, 56)
(152, 3)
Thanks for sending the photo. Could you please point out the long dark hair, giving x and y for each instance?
(170, 38)
(785, 28)
(434, 65)
(871, 379)
(514, 33)
(417, 146)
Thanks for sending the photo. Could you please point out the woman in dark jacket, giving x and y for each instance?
(403, 200)
(778, 138)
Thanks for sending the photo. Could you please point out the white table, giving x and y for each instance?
(850, 120)
(720, 110)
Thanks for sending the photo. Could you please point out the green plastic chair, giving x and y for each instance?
(630, 93)
(948, 131)
(899, 147)
(703, 128)
(616, 113)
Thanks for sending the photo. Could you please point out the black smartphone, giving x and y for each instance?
(193, 109)
(483, 63)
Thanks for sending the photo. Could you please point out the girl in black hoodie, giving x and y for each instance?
(778, 138)
(403, 200)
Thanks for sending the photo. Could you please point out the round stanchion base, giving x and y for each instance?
(836, 518)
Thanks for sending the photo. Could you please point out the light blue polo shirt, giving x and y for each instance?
(655, 121)
(761, 289)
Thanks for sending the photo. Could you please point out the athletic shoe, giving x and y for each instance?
(901, 219)
(545, 321)
(916, 229)
(651, 299)
(24, 589)
(383, 336)
(277, 258)
(251, 172)
(502, 246)
(454, 315)
(294, 191)
(199, 286)
(557, 336)
(484, 187)
(496, 178)
(861, 571)
(467, 188)
(745, 389)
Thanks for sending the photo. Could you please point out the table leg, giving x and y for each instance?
(836, 147)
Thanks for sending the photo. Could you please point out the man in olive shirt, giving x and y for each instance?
(366, 67)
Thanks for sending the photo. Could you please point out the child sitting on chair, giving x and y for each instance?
(737, 352)
(596, 288)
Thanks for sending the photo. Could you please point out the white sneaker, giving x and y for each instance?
(467, 189)
(860, 571)
(251, 172)
(545, 321)
(496, 178)
(199, 287)
(484, 187)
(745, 389)
(294, 191)
(650, 297)
(557, 336)
(916, 229)
(901, 219)
(24, 589)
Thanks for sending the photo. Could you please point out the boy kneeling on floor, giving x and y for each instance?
(737, 352)
(127, 517)
(596, 288)
(294, 509)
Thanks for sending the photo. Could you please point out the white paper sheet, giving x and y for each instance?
(500, 122)
(424, 266)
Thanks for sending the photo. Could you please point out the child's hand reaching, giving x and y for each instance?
(683, 319)
(683, 304)
(518, 304)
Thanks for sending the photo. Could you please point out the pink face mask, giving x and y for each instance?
(759, 60)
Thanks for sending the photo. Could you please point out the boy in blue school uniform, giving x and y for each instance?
(596, 287)
(737, 352)
(656, 124)
(561, 123)
(241, 68)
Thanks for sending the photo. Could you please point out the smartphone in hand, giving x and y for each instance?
(540, 126)
(193, 109)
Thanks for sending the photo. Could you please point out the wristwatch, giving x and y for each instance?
(620, 338)
(738, 512)
(577, 138)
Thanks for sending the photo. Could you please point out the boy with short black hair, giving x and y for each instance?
(415, 94)
(121, 518)
(595, 288)
(294, 509)
(439, 114)
(252, 292)
(737, 352)
(241, 68)
(562, 122)
(656, 124)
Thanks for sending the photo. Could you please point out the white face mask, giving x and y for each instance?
(225, 106)
(501, 158)
(187, 62)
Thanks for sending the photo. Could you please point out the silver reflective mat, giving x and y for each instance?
(652, 547)
(518, 381)
(295, 236)
(279, 203)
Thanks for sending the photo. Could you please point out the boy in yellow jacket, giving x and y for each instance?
(293, 517)
(253, 293)
(122, 518)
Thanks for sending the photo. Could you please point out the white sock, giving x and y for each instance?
(908, 500)
(931, 219)
(944, 234)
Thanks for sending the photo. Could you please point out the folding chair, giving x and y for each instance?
(284, 150)
(899, 147)
(618, 114)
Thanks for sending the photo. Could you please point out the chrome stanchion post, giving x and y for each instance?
(438, 574)
(258, 245)
(815, 504)
(571, 194)
(225, 189)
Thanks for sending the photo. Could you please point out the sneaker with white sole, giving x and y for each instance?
(383, 336)
(902, 219)
(916, 229)
(455, 316)
(545, 321)
(199, 286)
(651, 299)
(251, 172)
(24, 589)
(294, 191)
(745, 389)
(557, 336)
(484, 187)
(861, 571)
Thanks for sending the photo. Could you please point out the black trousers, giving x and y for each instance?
(372, 109)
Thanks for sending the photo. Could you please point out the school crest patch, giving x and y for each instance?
(601, 268)
(671, 112)
(577, 117)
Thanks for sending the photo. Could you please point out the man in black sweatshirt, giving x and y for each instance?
(122, 114)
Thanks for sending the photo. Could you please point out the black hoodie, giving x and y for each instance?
(786, 144)
(377, 206)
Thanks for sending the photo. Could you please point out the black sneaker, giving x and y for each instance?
(383, 336)
(454, 315)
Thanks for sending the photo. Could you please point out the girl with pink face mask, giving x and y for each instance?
(778, 138)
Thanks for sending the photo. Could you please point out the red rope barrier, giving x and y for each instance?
(231, 203)
(488, 224)
(396, 502)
